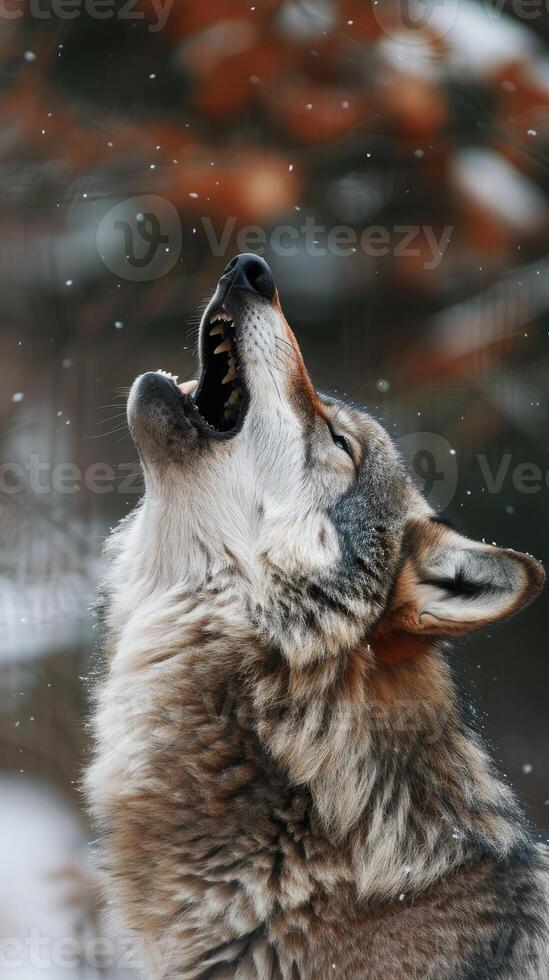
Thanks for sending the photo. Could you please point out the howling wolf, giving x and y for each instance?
(287, 783)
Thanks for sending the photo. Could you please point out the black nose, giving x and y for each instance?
(248, 271)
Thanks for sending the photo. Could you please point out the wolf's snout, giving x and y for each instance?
(251, 272)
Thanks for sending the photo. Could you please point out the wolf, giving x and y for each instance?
(287, 782)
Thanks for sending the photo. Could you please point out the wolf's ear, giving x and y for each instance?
(449, 585)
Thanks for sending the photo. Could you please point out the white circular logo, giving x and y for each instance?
(415, 21)
(140, 238)
(433, 464)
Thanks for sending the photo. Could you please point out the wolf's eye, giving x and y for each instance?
(342, 442)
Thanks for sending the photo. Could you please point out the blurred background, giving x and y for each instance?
(390, 162)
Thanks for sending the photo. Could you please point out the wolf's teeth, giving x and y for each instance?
(231, 374)
(225, 345)
(216, 330)
(234, 397)
(187, 387)
(220, 315)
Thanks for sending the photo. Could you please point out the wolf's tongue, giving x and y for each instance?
(187, 387)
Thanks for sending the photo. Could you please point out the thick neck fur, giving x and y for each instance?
(397, 780)
(391, 766)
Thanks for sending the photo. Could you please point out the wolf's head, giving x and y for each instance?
(298, 499)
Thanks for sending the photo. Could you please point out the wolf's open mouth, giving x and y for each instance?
(217, 403)
(221, 395)
(220, 400)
